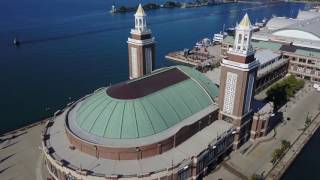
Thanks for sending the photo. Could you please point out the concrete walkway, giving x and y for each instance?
(20, 155)
(256, 159)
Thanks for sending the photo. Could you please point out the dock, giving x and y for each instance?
(197, 56)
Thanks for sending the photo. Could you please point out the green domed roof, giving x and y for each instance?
(146, 106)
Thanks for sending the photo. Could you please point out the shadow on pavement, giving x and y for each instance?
(6, 158)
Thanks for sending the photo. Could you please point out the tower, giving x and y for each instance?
(238, 74)
(141, 47)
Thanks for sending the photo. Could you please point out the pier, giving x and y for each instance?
(197, 56)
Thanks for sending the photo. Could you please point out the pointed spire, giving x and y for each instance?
(140, 11)
(245, 22)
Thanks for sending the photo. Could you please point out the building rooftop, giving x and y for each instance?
(280, 22)
(278, 46)
(102, 167)
(145, 107)
(304, 31)
(257, 44)
(307, 15)
(265, 55)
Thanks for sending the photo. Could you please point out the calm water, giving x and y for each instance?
(307, 164)
(72, 47)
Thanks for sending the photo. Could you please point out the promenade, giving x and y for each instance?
(21, 155)
(255, 157)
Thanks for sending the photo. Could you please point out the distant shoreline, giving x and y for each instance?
(167, 5)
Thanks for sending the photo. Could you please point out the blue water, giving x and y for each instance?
(72, 47)
(307, 164)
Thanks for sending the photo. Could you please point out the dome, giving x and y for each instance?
(145, 106)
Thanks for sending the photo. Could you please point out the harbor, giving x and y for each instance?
(207, 52)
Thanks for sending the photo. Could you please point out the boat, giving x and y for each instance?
(262, 23)
(218, 37)
(256, 28)
(113, 9)
(199, 44)
(230, 30)
(16, 41)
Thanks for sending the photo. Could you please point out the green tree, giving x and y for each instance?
(285, 145)
(307, 122)
(276, 154)
(256, 177)
(283, 90)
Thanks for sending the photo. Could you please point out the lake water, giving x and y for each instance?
(72, 47)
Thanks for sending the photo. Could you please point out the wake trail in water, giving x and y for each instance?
(103, 30)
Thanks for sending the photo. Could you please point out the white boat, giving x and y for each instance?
(113, 9)
(199, 44)
(16, 41)
(218, 37)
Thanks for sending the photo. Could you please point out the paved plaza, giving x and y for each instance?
(21, 156)
(254, 158)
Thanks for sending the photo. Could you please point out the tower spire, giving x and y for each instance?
(140, 20)
(140, 11)
(242, 44)
(245, 22)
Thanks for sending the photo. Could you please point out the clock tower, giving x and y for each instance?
(238, 75)
(141, 46)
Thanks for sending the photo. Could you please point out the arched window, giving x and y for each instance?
(140, 22)
(245, 39)
(239, 38)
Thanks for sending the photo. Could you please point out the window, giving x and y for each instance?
(262, 124)
(245, 39)
(148, 56)
(249, 93)
(134, 63)
(311, 62)
(69, 177)
(184, 174)
(302, 60)
(239, 38)
(200, 166)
